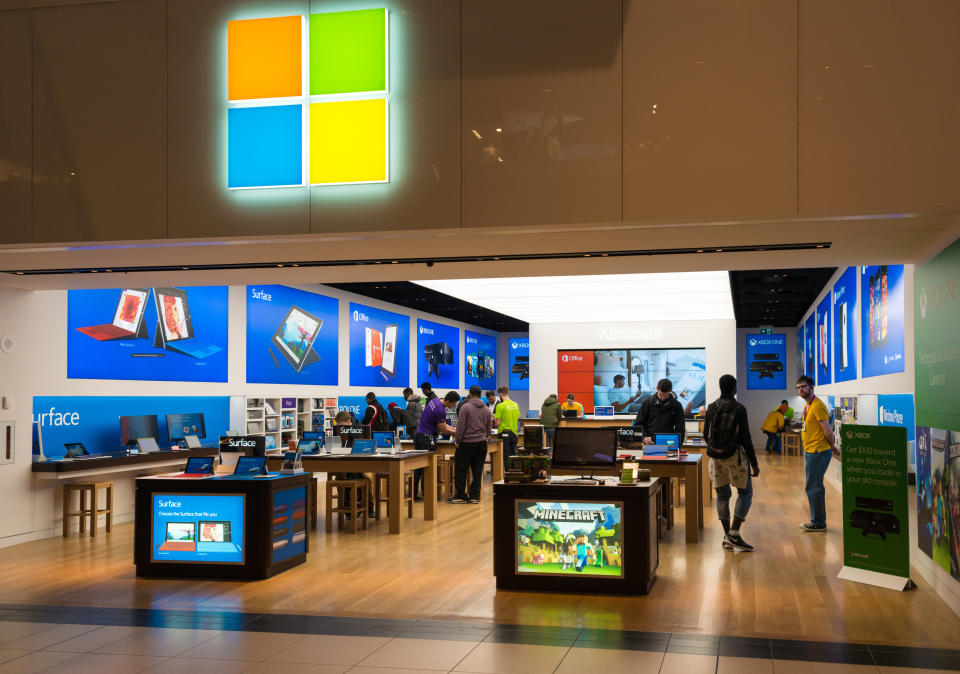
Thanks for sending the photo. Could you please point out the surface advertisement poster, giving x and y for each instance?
(198, 528)
(121, 334)
(874, 475)
(519, 364)
(379, 347)
(810, 346)
(480, 360)
(569, 539)
(844, 316)
(766, 362)
(824, 369)
(292, 336)
(938, 497)
(438, 347)
(881, 320)
(936, 346)
(289, 523)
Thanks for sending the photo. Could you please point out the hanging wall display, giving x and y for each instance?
(823, 366)
(766, 362)
(379, 347)
(881, 320)
(844, 316)
(480, 360)
(519, 363)
(438, 348)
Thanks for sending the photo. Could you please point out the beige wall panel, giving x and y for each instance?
(709, 99)
(15, 124)
(199, 202)
(424, 187)
(98, 73)
(879, 105)
(547, 73)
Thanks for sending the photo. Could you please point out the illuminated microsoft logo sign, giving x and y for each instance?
(307, 100)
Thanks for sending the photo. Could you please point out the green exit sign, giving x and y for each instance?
(766, 331)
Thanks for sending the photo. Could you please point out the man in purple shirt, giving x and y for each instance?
(432, 422)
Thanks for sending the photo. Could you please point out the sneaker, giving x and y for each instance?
(473, 499)
(737, 543)
(810, 526)
(457, 499)
(725, 544)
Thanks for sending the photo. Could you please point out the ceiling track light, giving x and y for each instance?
(814, 245)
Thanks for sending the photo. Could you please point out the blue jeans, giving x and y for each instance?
(744, 500)
(773, 441)
(817, 463)
(423, 443)
(550, 433)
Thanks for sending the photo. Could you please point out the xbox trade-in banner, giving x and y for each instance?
(379, 347)
(936, 326)
(823, 342)
(897, 410)
(151, 334)
(874, 475)
(938, 497)
(292, 336)
(480, 365)
(844, 316)
(438, 347)
(810, 346)
(767, 362)
(519, 364)
(881, 319)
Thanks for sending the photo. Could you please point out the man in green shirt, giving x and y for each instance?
(506, 416)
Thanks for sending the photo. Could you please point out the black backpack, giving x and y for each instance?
(724, 430)
(380, 422)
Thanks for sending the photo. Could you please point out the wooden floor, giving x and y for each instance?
(443, 570)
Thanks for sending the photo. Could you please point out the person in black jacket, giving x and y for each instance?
(375, 415)
(732, 460)
(661, 413)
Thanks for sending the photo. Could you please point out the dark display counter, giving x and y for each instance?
(575, 537)
(111, 461)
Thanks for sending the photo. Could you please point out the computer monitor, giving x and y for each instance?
(603, 411)
(584, 448)
(319, 436)
(669, 440)
(691, 426)
(383, 439)
(179, 426)
(308, 446)
(533, 414)
(142, 426)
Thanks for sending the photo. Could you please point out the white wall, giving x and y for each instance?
(718, 337)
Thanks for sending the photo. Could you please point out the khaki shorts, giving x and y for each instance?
(734, 470)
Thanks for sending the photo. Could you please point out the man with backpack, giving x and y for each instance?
(375, 415)
(732, 460)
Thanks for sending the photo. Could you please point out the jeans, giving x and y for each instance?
(422, 442)
(469, 455)
(509, 439)
(773, 441)
(817, 463)
(549, 432)
(744, 500)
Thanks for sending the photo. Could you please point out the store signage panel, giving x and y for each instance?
(379, 347)
(437, 353)
(570, 539)
(844, 316)
(766, 362)
(289, 534)
(480, 356)
(897, 409)
(519, 363)
(881, 320)
(308, 100)
(824, 369)
(810, 346)
(198, 528)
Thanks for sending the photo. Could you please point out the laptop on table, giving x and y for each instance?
(197, 466)
(75, 450)
(127, 318)
(175, 326)
(250, 466)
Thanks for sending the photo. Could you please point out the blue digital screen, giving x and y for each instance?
(383, 439)
(198, 528)
(289, 533)
(881, 320)
(480, 366)
(180, 425)
(810, 346)
(519, 363)
(766, 362)
(437, 354)
(844, 318)
(824, 324)
(379, 347)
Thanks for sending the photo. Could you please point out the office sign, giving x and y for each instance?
(897, 410)
(936, 330)
(766, 362)
(570, 539)
(519, 363)
(874, 475)
(198, 528)
(292, 336)
(379, 347)
(437, 352)
(881, 320)
(844, 315)
(480, 360)
(824, 370)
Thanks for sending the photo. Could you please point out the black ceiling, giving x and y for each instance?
(777, 297)
(417, 297)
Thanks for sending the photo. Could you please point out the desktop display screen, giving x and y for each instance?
(198, 528)
(669, 440)
(570, 539)
(691, 426)
(308, 446)
(624, 378)
(383, 439)
(584, 448)
(182, 425)
(143, 426)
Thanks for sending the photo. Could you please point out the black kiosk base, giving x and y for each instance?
(575, 537)
(220, 527)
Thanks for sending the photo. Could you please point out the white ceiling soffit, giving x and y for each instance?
(587, 299)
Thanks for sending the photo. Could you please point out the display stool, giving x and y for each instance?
(667, 502)
(353, 499)
(381, 493)
(445, 472)
(87, 509)
(790, 443)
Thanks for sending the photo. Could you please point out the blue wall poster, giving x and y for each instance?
(801, 360)
(94, 420)
(198, 528)
(844, 316)
(379, 347)
(119, 334)
(898, 410)
(292, 336)
(480, 354)
(767, 362)
(810, 346)
(519, 355)
(289, 523)
(823, 341)
(437, 353)
(881, 319)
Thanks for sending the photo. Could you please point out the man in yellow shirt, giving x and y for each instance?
(772, 426)
(818, 443)
(571, 405)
